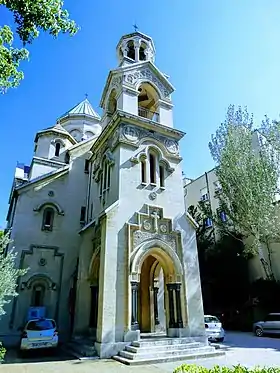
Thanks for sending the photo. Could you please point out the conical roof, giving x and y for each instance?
(83, 108)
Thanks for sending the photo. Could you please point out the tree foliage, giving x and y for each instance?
(8, 273)
(248, 172)
(30, 16)
(223, 267)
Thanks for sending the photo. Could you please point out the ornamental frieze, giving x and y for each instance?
(140, 237)
(133, 135)
(133, 77)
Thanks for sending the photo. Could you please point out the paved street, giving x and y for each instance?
(241, 348)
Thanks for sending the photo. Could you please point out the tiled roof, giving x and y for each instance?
(83, 108)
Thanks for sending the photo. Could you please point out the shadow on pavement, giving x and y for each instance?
(249, 340)
(14, 356)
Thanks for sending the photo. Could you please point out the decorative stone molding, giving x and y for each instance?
(135, 136)
(55, 205)
(152, 225)
(137, 76)
(39, 277)
(130, 133)
(53, 285)
(153, 196)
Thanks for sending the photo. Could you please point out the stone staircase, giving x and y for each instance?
(81, 348)
(159, 350)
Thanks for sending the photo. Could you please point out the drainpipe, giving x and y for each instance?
(88, 191)
(208, 192)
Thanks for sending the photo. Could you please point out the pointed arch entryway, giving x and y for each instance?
(94, 291)
(154, 265)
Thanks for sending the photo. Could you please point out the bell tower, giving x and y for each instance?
(135, 47)
(137, 86)
(145, 241)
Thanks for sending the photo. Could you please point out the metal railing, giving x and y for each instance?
(145, 113)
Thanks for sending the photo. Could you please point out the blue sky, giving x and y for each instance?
(216, 53)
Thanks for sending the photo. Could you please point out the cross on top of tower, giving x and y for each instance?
(135, 27)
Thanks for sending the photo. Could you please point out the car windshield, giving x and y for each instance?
(41, 325)
(209, 319)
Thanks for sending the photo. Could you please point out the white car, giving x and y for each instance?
(39, 333)
(214, 329)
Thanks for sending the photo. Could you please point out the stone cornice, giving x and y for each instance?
(51, 131)
(54, 174)
(47, 162)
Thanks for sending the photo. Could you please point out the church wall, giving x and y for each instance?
(59, 247)
(43, 146)
(39, 169)
(132, 197)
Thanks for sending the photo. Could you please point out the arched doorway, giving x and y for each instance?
(94, 291)
(152, 298)
(156, 268)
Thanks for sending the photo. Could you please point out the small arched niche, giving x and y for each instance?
(112, 102)
(147, 102)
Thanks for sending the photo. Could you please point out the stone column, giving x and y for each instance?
(134, 305)
(137, 43)
(170, 289)
(178, 305)
(156, 305)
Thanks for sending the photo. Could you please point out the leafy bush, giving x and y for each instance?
(2, 352)
(220, 369)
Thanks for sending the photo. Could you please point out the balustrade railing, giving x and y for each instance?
(145, 113)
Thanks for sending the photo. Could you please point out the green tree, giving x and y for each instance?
(30, 17)
(248, 175)
(8, 273)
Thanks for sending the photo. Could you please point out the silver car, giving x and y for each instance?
(270, 325)
(214, 328)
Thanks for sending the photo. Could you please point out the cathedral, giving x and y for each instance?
(99, 219)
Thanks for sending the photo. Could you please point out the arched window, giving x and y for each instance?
(57, 149)
(143, 171)
(38, 294)
(48, 218)
(161, 176)
(105, 178)
(131, 50)
(148, 102)
(142, 56)
(67, 158)
(152, 160)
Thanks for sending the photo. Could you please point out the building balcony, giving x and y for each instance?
(148, 114)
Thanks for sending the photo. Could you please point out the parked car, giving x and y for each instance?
(214, 328)
(270, 325)
(39, 333)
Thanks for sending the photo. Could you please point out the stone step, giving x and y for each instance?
(163, 359)
(181, 346)
(161, 342)
(163, 353)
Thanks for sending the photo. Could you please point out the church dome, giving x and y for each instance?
(82, 121)
(84, 108)
(135, 47)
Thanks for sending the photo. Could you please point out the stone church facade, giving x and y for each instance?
(99, 217)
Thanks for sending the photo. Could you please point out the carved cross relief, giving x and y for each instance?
(156, 218)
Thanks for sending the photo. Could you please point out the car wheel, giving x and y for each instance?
(220, 339)
(259, 332)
